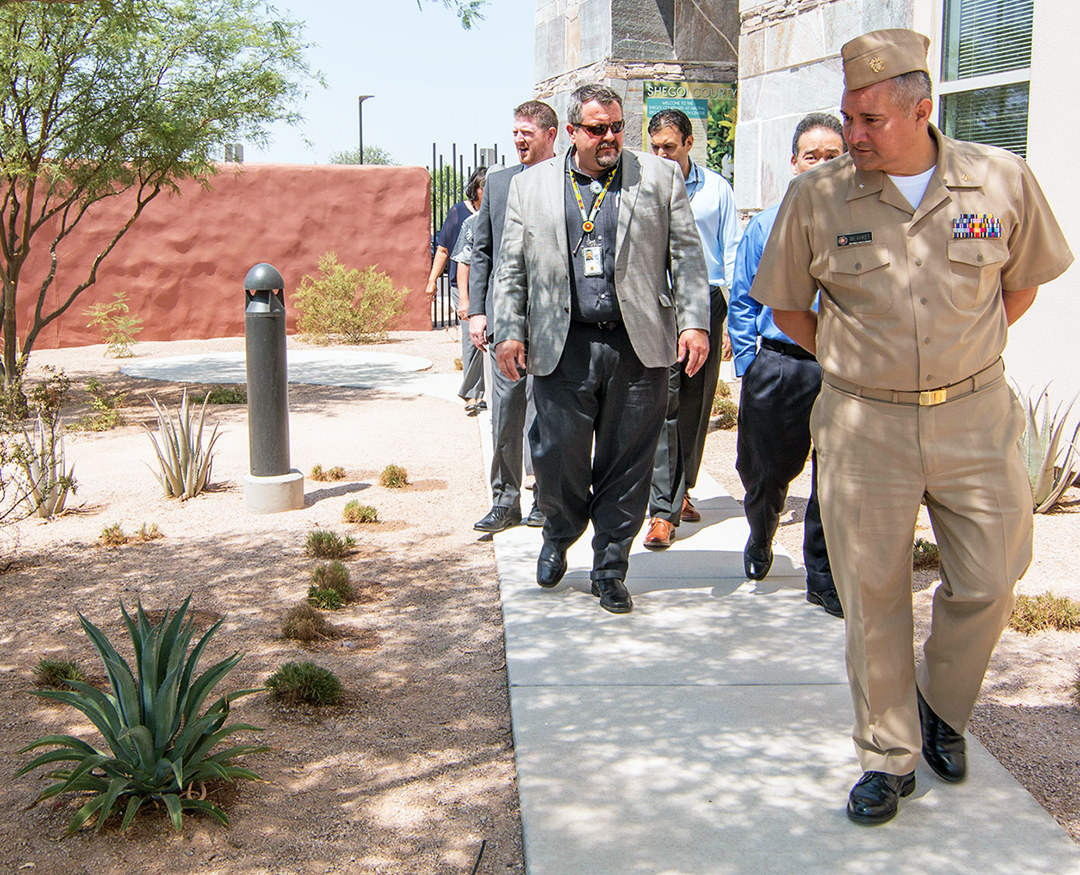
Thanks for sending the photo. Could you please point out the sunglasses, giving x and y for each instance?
(599, 130)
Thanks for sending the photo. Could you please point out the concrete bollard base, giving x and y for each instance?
(274, 494)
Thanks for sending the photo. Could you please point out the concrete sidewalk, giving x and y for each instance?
(708, 732)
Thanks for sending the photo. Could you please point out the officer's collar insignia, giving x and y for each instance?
(853, 239)
(975, 225)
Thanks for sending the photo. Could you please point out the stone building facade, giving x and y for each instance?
(624, 43)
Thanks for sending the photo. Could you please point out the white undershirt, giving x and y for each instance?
(913, 187)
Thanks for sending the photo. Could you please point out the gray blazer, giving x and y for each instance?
(660, 274)
(487, 238)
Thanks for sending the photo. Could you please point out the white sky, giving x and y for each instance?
(432, 80)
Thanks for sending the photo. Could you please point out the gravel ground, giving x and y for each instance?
(414, 772)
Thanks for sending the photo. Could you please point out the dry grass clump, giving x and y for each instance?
(394, 477)
(725, 412)
(324, 475)
(305, 682)
(925, 554)
(304, 623)
(324, 544)
(112, 536)
(56, 673)
(1046, 611)
(355, 512)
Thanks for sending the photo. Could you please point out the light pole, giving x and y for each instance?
(363, 97)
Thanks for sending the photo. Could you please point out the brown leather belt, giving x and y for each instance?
(927, 398)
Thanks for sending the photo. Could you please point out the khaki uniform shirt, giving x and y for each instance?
(911, 299)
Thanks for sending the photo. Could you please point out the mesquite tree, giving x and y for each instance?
(104, 98)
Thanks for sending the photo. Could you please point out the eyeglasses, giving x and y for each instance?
(599, 130)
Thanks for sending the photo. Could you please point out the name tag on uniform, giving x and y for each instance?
(974, 225)
(594, 260)
(852, 239)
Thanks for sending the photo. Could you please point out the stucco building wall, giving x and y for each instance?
(183, 263)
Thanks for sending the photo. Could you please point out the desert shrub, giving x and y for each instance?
(1051, 456)
(351, 306)
(925, 554)
(723, 390)
(1046, 611)
(458, 365)
(160, 746)
(725, 413)
(43, 478)
(118, 326)
(58, 673)
(304, 623)
(227, 395)
(105, 405)
(148, 532)
(324, 544)
(333, 576)
(305, 682)
(183, 462)
(324, 474)
(394, 477)
(327, 599)
(112, 536)
(355, 512)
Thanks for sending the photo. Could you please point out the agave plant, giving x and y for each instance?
(184, 463)
(161, 747)
(1052, 459)
(46, 478)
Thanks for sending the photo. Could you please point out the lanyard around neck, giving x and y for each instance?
(588, 218)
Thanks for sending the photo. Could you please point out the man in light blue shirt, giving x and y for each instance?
(780, 382)
(682, 441)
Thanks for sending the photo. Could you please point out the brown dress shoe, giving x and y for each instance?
(661, 534)
(689, 513)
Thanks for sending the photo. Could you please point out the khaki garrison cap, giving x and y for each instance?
(883, 54)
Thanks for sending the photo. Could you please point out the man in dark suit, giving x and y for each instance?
(535, 129)
(601, 267)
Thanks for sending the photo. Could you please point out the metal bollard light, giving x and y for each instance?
(272, 485)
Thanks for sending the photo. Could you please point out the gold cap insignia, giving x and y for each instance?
(877, 65)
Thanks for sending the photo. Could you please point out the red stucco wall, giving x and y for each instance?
(183, 263)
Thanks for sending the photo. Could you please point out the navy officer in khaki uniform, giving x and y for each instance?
(925, 250)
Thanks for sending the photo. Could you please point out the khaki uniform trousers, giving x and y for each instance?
(876, 462)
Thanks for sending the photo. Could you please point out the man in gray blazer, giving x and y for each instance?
(535, 129)
(601, 267)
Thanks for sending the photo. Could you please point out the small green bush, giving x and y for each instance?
(118, 327)
(925, 554)
(304, 623)
(112, 536)
(148, 532)
(1043, 612)
(333, 576)
(394, 477)
(723, 390)
(327, 599)
(324, 544)
(57, 673)
(725, 413)
(305, 682)
(227, 395)
(351, 306)
(105, 405)
(355, 512)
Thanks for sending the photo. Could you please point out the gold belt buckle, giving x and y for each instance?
(932, 396)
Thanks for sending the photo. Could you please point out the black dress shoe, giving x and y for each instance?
(613, 595)
(550, 566)
(827, 599)
(876, 796)
(499, 519)
(536, 518)
(942, 746)
(757, 559)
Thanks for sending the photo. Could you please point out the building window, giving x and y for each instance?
(985, 72)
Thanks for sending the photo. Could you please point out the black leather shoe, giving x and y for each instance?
(536, 518)
(613, 595)
(499, 519)
(757, 559)
(550, 566)
(942, 746)
(876, 796)
(827, 599)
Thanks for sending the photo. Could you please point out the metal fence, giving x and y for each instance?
(448, 180)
